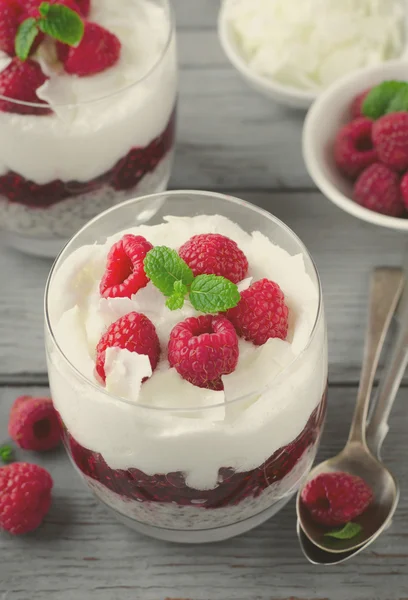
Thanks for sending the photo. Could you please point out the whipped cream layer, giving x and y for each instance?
(166, 424)
(97, 120)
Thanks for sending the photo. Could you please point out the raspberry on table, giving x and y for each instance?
(82, 60)
(353, 147)
(357, 104)
(261, 313)
(20, 81)
(10, 18)
(25, 497)
(390, 137)
(334, 499)
(378, 189)
(33, 424)
(125, 274)
(133, 332)
(214, 254)
(201, 349)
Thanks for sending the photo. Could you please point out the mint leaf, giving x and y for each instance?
(399, 102)
(26, 34)
(176, 300)
(212, 294)
(61, 23)
(165, 268)
(6, 453)
(378, 100)
(349, 531)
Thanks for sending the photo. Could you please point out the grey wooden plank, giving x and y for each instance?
(196, 13)
(81, 552)
(345, 250)
(228, 135)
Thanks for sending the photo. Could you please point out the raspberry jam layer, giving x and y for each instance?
(232, 488)
(125, 175)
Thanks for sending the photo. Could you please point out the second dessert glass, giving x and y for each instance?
(274, 428)
(107, 137)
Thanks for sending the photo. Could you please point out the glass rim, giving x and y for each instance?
(164, 409)
(158, 61)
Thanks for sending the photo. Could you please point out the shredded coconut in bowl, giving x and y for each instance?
(308, 44)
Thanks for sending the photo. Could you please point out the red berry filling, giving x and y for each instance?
(125, 175)
(232, 488)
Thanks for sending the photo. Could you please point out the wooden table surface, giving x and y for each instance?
(229, 139)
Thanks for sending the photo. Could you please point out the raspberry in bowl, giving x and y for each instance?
(188, 363)
(85, 124)
(359, 157)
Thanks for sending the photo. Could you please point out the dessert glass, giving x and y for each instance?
(165, 503)
(59, 170)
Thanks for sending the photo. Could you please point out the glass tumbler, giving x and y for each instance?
(188, 473)
(109, 139)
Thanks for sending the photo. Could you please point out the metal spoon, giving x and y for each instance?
(376, 432)
(356, 458)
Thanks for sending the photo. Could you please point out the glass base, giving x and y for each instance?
(203, 536)
(49, 247)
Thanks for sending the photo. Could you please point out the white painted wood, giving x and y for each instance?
(345, 250)
(82, 553)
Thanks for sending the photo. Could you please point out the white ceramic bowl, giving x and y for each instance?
(327, 115)
(283, 94)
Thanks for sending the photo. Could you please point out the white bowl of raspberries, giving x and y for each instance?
(355, 144)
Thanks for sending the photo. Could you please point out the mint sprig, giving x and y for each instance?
(174, 278)
(388, 96)
(56, 20)
(349, 531)
(6, 453)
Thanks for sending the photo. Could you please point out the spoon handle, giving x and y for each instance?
(385, 290)
(377, 428)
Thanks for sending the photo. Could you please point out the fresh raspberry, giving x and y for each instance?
(378, 189)
(334, 499)
(10, 17)
(215, 254)
(390, 138)
(85, 7)
(133, 332)
(20, 81)
(25, 497)
(404, 190)
(353, 147)
(261, 313)
(33, 424)
(31, 7)
(201, 349)
(125, 274)
(98, 50)
(357, 104)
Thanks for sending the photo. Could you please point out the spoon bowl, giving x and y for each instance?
(356, 460)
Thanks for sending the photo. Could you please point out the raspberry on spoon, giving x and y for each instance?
(334, 499)
(201, 349)
(125, 274)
